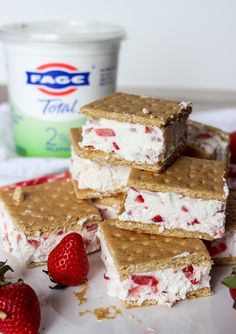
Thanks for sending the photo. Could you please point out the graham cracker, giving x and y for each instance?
(47, 208)
(134, 252)
(111, 157)
(112, 201)
(90, 193)
(135, 109)
(194, 150)
(231, 211)
(154, 229)
(203, 292)
(187, 176)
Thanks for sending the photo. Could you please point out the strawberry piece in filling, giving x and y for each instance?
(105, 132)
(148, 129)
(139, 199)
(34, 243)
(107, 278)
(193, 222)
(217, 247)
(146, 280)
(91, 227)
(116, 147)
(184, 209)
(157, 219)
(188, 272)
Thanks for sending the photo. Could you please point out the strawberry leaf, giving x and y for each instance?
(230, 281)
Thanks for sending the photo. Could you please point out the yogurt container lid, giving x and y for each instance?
(56, 31)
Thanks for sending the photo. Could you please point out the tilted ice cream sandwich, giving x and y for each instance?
(34, 219)
(145, 269)
(187, 200)
(94, 179)
(135, 131)
(109, 207)
(223, 251)
(207, 142)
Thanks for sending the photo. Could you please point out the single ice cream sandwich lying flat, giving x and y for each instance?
(207, 142)
(34, 219)
(95, 179)
(109, 207)
(144, 269)
(134, 131)
(223, 251)
(187, 200)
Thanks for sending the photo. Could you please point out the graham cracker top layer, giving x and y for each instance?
(134, 252)
(231, 211)
(137, 109)
(199, 178)
(47, 208)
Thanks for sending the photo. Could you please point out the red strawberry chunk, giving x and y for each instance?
(135, 291)
(148, 129)
(217, 247)
(60, 232)
(105, 132)
(107, 278)
(139, 199)
(194, 281)
(157, 219)
(34, 243)
(91, 227)
(145, 280)
(184, 209)
(233, 293)
(116, 147)
(193, 222)
(188, 271)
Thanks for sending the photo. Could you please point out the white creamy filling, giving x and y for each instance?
(166, 286)
(134, 142)
(101, 177)
(224, 247)
(209, 141)
(107, 212)
(170, 210)
(36, 249)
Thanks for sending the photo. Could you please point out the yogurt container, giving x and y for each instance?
(53, 69)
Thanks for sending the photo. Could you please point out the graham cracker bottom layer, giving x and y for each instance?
(154, 229)
(225, 261)
(113, 159)
(90, 193)
(204, 292)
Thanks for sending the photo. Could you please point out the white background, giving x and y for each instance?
(171, 44)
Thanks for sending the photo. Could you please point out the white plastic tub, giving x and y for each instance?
(53, 69)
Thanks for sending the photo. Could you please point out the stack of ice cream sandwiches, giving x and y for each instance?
(149, 186)
(159, 181)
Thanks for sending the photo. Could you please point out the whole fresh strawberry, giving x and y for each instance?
(68, 262)
(19, 307)
(230, 282)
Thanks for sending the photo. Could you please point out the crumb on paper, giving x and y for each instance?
(137, 321)
(103, 313)
(18, 195)
(146, 111)
(81, 295)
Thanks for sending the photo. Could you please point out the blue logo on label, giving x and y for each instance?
(58, 81)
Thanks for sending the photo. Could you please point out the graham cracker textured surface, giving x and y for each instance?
(194, 150)
(90, 193)
(204, 292)
(112, 158)
(231, 211)
(134, 109)
(134, 252)
(47, 208)
(154, 229)
(187, 176)
(225, 261)
(112, 201)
